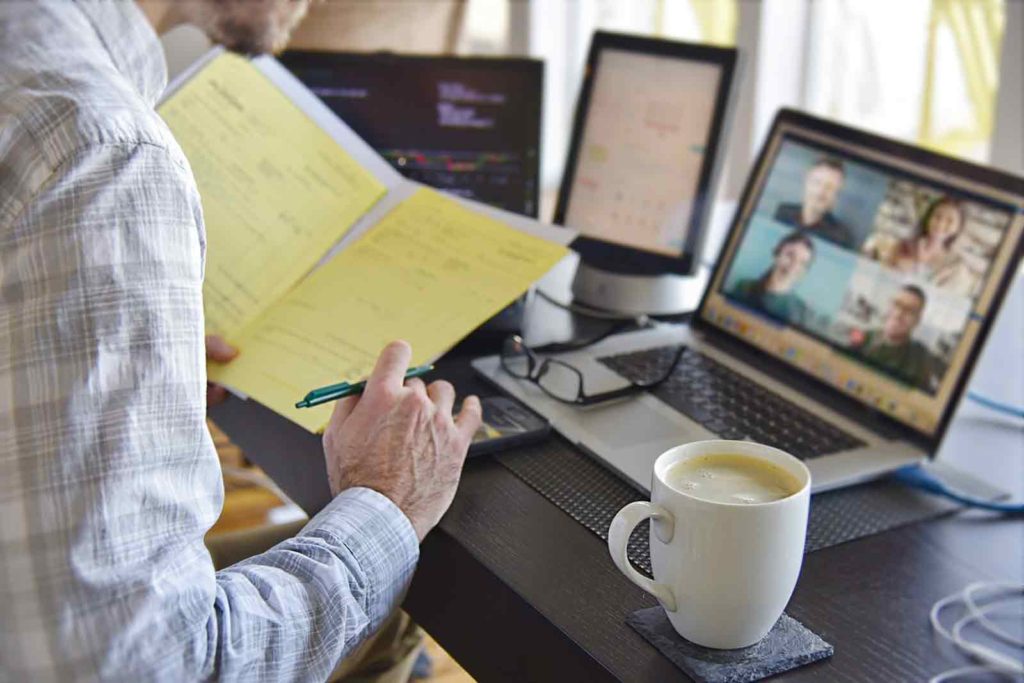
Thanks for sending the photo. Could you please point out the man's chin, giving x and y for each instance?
(253, 32)
(248, 40)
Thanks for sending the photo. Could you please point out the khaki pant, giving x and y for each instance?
(385, 657)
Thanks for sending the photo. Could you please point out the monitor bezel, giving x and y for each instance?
(975, 173)
(623, 259)
(533, 68)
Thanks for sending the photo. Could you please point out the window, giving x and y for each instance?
(925, 71)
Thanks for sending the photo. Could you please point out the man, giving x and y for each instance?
(773, 291)
(108, 476)
(893, 348)
(822, 184)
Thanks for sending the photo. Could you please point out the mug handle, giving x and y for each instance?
(618, 538)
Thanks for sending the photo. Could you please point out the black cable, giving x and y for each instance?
(562, 347)
(585, 311)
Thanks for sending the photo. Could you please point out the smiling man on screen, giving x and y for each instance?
(108, 476)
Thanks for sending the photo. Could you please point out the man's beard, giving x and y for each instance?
(252, 26)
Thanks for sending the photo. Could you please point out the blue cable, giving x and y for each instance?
(996, 405)
(916, 477)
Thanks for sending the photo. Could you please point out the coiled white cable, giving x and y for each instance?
(988, 623)
(1000, 594)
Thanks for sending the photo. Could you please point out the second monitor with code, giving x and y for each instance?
(469, 126)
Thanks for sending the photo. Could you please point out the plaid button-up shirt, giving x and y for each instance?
(108, 476)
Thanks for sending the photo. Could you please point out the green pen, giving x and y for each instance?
(333, 392)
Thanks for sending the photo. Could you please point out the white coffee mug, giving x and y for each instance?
(723, 571)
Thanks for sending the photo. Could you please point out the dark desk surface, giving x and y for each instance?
(516, 590)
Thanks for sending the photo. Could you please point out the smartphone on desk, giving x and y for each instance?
(507, 423)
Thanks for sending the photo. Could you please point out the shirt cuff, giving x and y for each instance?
(380, 538)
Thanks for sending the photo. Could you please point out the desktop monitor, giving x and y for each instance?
(871, 266)
(469, 126)
(643, 153)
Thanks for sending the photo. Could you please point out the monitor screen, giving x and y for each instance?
(642, 154)
(870, 272)
(469, 126)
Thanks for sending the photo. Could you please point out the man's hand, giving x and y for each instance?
(401, 440)
(218, 351)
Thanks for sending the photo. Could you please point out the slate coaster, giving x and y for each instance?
(787, 646)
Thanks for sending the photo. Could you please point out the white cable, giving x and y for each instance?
(997, 659)
(991, 660)
(982, 618)
(956, 673)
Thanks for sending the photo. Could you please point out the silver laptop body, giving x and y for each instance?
(628, 435)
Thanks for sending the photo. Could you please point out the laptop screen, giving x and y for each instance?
(872, 273)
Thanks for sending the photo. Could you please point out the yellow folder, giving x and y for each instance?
(277, 193)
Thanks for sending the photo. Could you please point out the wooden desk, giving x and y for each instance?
(516, 590)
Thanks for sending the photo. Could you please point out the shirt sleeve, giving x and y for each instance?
(108, 476)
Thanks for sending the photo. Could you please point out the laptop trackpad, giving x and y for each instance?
(629, 423)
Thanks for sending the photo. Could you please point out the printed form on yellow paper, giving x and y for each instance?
(277, 190)
(429, 272)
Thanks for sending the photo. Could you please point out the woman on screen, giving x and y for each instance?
(773, 291)
(930, 255)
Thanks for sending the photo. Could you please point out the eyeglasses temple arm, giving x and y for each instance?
(609, 395)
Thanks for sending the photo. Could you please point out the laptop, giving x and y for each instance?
(851, 299)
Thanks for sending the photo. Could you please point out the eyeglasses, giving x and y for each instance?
(563, 382)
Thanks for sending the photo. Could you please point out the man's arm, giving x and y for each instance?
(108, 477)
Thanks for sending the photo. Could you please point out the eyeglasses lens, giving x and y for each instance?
(560, 380)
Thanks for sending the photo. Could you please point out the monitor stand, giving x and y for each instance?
(638, 294)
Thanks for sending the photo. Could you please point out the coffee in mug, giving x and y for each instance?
(732, 478)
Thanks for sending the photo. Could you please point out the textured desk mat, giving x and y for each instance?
(591, 495)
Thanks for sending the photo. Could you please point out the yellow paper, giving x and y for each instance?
(429, 272)
(277, 191)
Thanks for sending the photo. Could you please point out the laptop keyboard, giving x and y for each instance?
(729, 404)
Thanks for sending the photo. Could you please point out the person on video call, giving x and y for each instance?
(930, 255)
(822, 184)
(893, 348)
(773, 291)
(109, 479)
